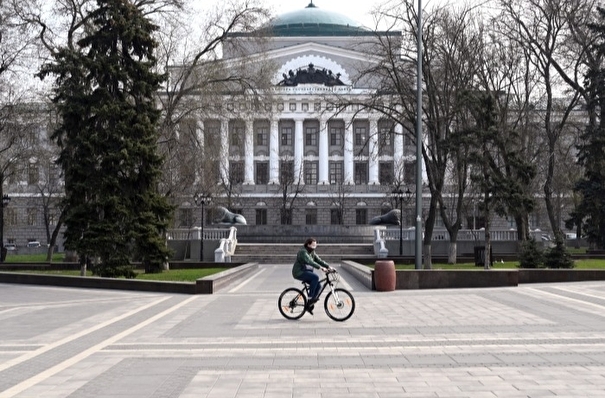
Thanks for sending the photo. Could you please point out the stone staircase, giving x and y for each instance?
(285, 253)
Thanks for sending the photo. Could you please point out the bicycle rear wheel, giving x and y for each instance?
(340, 305)
(292, 303)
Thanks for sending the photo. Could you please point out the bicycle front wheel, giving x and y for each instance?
(339, 305)
(292, 303)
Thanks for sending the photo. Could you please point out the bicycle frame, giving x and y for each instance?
(325, 282)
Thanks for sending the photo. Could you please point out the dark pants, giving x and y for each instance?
(313, 280)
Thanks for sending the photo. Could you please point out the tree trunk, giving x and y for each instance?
(452, 254)
(53, 240)
(429, 226)
(427, 256)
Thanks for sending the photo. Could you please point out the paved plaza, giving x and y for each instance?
(545, 340)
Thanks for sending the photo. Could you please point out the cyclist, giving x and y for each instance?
(306, 261)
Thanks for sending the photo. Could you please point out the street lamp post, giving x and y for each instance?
(201, 200)
(5, 201)
(474, 214)
(399, 194)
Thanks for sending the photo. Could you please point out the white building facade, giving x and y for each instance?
(302, 150)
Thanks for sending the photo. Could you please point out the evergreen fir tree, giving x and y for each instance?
(531, 256)
(108, 138)
(592, 149)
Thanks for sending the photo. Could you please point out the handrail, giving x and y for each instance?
(380, 249)
(463, 235)
(195, 232)
(226, 247)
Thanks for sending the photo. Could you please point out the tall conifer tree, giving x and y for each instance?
(591, 186)
(105, 93)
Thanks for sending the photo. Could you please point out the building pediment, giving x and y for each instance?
(311, 75)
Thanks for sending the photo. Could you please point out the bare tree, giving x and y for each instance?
(205, 74)
(49, 187)
(16, 49)
(449, 39)
(290, 187)
(554, 34)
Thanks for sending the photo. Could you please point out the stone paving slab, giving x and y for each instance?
(543, 340)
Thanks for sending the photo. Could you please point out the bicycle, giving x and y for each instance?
(339, 303)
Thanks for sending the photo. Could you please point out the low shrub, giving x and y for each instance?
(558, 257)
(531, 255)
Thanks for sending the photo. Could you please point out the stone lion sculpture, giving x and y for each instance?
(225, 217)
(390, 218)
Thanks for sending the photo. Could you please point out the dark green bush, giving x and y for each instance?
(531, 255)
(558, 257)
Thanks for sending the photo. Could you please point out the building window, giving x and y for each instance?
(361, 173)
(360, 136)
(262, 173)
(311, 136)
(385, 141)
(286, 172)
(409, 173)
(336, 172)
(336, 134)
(10, 216)
(212, 134)
(236, 136)
(311, 216)
(236, 172)
(13, 173)
(292, 107)
(185, 218)
(262, 136)
(32, 137)
(285, 216)
(310, 172)
(33, 174)
(32, 216)
(317, 106)
(336, 217)
(286, 136)
(361, 216)
(54, 171)
(53, 217)
(305, 107)
(261, 216)
(386, 173)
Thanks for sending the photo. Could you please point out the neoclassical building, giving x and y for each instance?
(302, 157)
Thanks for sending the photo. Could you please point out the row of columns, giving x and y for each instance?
(299, 158)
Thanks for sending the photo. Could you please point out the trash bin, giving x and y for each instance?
(480, 256)
(385, 277)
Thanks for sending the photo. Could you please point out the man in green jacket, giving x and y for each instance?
(306, 260)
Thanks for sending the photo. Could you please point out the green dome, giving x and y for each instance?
(313, 21)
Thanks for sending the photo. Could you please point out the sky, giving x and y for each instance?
(358, 10)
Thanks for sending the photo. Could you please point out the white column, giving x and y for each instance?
(398, 153)
(274, 152)
(348, 153)
(324, 153)
(373, 153)
(199, 136)
(249, 153)
(224, 160)
(398, 143)
(298, 151)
